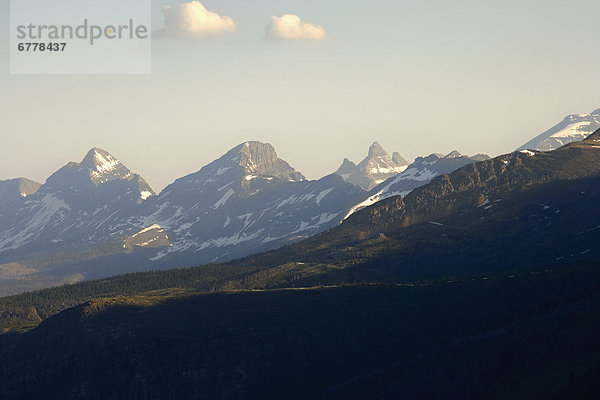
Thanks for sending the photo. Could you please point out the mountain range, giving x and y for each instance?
(482, 283)
(96, 218)
(86, 213)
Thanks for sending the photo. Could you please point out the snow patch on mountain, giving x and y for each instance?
(573, 128)
(322, 195)
(224, 199)
(42, 212)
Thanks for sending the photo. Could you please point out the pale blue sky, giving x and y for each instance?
(419, 77)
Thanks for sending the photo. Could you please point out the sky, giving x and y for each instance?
(420, 77)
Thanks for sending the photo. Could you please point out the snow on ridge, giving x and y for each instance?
(528, 152)
(575, 129)
(145, 194)
(417, 175)
(368, 202)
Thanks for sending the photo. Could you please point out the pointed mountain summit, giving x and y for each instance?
(243, 171)
(97, 169)
(374, 169)
(103, 167)
(375, 150)
(81, 204)
(573, 128)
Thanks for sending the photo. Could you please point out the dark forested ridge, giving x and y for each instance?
(483, 284)
(492, 338)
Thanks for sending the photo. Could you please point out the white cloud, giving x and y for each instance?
(194, 20)
(291, 27)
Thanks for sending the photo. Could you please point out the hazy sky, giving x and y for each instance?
(418, 76)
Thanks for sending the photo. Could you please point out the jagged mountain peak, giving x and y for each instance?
(251, 160)
(97, 168)
(244, 170)
(347, 166)
(374, 169)
(261, 159)
(376, 150)
(102, 167)
(453, 154)
(99, 159)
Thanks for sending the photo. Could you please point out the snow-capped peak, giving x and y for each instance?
(102, 167)
(100, 160)
(89, 177)
(374, 169)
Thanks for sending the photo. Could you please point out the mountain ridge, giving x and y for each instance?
(244, 202)
(574, 127)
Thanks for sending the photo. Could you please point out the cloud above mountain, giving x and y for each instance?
(195, 21)
(291, 27)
